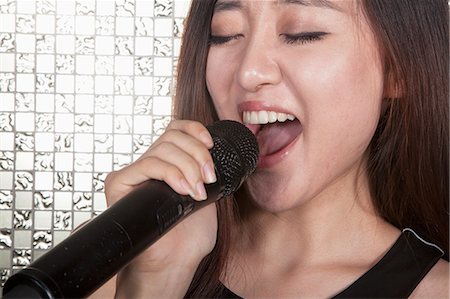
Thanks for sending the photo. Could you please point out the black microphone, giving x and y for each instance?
(89, 257)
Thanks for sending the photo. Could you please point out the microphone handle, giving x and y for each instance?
(89, 257)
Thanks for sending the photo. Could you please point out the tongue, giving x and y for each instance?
(274, 137)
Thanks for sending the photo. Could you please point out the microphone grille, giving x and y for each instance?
(235, 153)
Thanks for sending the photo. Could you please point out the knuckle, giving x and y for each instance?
(109, 178)
(171, 172)
(195, 126)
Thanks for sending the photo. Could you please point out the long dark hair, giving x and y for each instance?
(408, 155)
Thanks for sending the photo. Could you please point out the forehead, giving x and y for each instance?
(241, 4)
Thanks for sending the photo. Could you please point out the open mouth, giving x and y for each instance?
(274, 131)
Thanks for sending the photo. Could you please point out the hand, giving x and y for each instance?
(180, 157)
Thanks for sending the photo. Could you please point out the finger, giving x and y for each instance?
(194, 129)
(154, 168)
(192, 147)
(186, 163)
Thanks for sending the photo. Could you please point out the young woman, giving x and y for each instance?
(349, 103)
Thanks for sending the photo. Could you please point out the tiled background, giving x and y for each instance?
(85, 87)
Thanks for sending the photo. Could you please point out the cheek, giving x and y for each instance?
(219, 78)
(341, 95)
(344, 86)
(215, 85)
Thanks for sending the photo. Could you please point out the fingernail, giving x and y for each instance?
(201, 192)
(184, 184)
(206, 139)
(209, 173)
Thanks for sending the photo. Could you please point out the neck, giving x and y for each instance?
(317, 231)
(314, 249)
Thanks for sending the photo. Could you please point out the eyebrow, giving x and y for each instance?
(227, 5)
(315, 3)
(222, 5)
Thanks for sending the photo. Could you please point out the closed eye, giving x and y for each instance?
(303, 37)
(219, 40)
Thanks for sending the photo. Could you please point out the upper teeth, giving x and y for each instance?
(264, 117)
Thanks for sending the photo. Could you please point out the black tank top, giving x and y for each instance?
(396, 275)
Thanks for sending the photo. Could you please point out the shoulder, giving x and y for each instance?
(435, 284)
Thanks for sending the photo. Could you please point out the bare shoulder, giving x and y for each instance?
(435, 284)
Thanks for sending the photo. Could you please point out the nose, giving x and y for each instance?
(258, 66)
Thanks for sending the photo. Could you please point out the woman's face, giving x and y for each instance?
(314, 61)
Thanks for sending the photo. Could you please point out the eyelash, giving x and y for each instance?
(303, 37)
(219, 40)
(300, 38)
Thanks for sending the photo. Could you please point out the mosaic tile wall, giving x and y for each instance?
(85, 87)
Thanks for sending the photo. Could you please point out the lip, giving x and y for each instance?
(259, 106)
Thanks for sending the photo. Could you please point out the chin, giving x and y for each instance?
(269, 198)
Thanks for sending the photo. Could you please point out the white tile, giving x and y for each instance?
(84, 84)
(45, 102)
(25, 122)
(22, 239)
(59, 236)
(80, 218)
(84, 103)
(162, 66)
(176, 46)
(104, 45)
(64, 122)
(104, 84)
(123, 105)
(44, 142)
(65, 83)
(45, 63)
(124, 25)
(142, 124)
(106, 8)
(45, 24)
(8, 23)
(25, 43)
(84, 143)
(5, 217)
(65, 44)
(7, 62)
(24, 161)
(6, 178)
(144, 46)
(143, 85)
(63, 201)
(65, 7)
(25, 82)
(163, 27)
(7, 102)
(6, 141)
(122, 144)
(99, 201)
(85, 25)
(43, 219)
(63, 161)
(124, 65)
(144, 8)
(24, 200)
(181, 8)
(26, 6)
(162, 105)
(85, 64)
(103, 124)
(103, 162)
(82, 181)
(43, 180)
